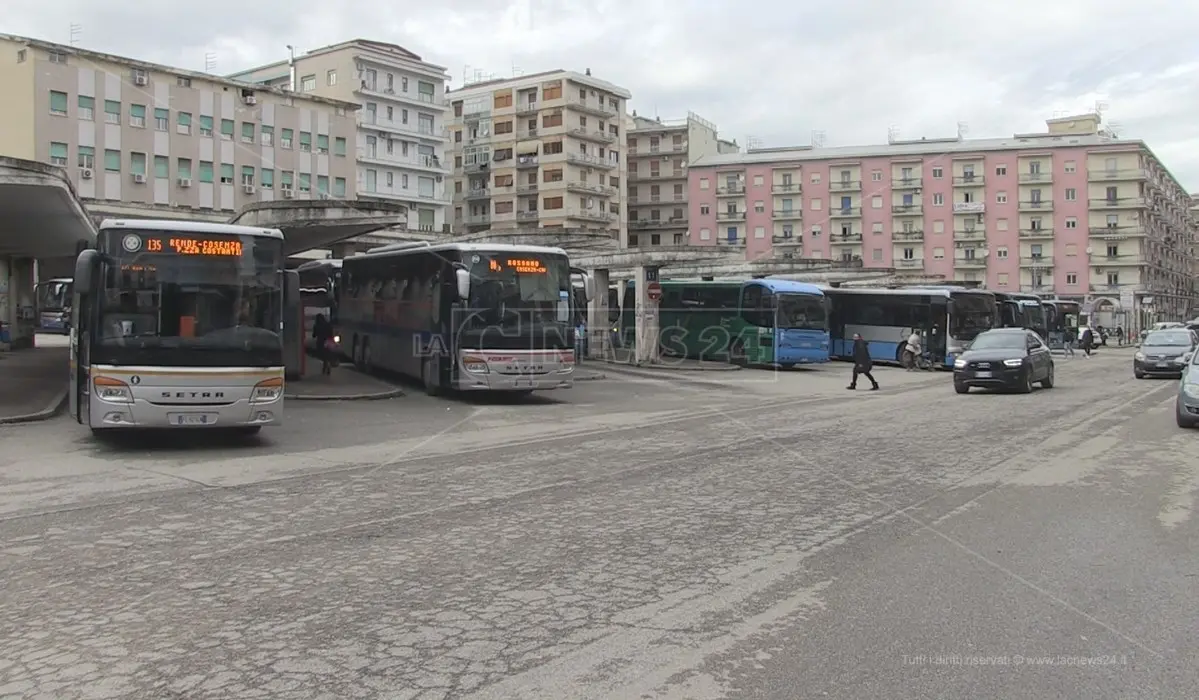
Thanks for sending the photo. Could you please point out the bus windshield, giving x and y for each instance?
(1034, 314)
(508, 289)
(800, 311)
(972, 314)
(158, 301)
(54, 295)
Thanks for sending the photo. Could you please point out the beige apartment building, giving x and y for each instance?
(658, 154)
(542, 150)
(164, 141)
(401, 137)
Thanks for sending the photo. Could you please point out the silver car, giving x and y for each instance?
(1162, 351)
(1188, 393)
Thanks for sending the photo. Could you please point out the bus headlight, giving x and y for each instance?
(337, 339)
(473, 363)
(112, 390)
(267, 390)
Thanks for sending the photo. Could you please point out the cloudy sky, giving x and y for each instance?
(767, 69)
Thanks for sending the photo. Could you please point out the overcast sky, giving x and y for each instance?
(772, 70)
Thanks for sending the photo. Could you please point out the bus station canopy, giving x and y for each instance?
(40, 214)
(318, 224)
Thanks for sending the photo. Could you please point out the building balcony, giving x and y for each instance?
(969, 235)
(1125, 175)
(420, 99)
(731, 241)
(907, 209)
(1037, 261)
(1118, 203)
(527, 108)
(906, 183)
(845, 213)
(907, 236)
(970, 263)
(788, 214)
(431, 164)
(845, 239)
(1035, 178)
(483, 193)
(592, 135)
(590, 188)
(528, 188)
(969, 207)
(476, 167)
(672, 222)
(845, 186)
(591, 215)
(528, 215)
(658, 176)
(661, 149)
(731, 191)
(1117, 233)
(730, 216)
(784, 240)
(1036, 205)
(590, 161)
(477, 219)
(1108, 288)
(968, 181)
(372, 120)
(527, 135)
(1036, 234)
(594, 107)
(1126, 260)
(909, 263)
(526, 162)
(793, 188)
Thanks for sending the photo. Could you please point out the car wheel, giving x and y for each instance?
(961, 388)
(1138, 375)
(1183, 420)
(1026, 382)
(1047, 382)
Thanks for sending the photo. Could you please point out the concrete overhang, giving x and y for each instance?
(40, 214)
(318, 224)
(662, 256)
(572, 240)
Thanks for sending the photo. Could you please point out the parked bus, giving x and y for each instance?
(178, 324)
(948, 317)
(1021, 310)
(757, 322)
(462, 316)
(1060, 316)
(53, 298)
(320, 288)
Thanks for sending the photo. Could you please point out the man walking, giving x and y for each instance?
(1068, 341)
(913, 349)
(862, 364)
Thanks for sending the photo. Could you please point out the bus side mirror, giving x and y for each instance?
(462, 277)
(589, 286)
(85, 267)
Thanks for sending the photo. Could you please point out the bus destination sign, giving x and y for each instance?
(206, 247)
(524, 266)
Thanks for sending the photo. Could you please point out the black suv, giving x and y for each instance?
(1004, 358)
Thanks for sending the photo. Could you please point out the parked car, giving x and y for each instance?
(1004, 358)
(1161, 353)
(1161, 326)
(1187, 407)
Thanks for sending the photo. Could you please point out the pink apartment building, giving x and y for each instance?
(1072, 212)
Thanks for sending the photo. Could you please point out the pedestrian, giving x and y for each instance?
(1086, 342)
(862, 364)
(912, 350)
(322, 333)
(1068, 340)
(1120, 335)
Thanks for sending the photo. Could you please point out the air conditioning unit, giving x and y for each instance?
(139, 78)
(185, 182)
(250, 100)
(139, 178)
(248, 189)
(85, 173)
(287, 192)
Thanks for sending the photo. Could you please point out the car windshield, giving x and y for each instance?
(1169, 338)
(999, 341)
(800, 311)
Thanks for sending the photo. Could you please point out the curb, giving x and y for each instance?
(595, 376)
(668, 368)
(373, 396)
(56, 406)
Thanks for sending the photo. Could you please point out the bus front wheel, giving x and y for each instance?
(429, 376)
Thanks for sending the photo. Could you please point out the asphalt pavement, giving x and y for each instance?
(753, 535)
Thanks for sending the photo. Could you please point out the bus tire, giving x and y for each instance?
(787, 365)
(428, 375)
(248, 430)
(366, 365)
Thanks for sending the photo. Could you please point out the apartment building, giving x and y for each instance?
(153, 138)
(1072, 211)
(543, 150)
(659, 153)
(401, 138)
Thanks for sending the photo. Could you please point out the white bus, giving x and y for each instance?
(462, 316)
(178, 325)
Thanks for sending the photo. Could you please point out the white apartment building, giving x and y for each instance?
(401, 138)
(659, 153)
(141, 139)
(539, 151)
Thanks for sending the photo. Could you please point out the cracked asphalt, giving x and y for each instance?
(748, 535)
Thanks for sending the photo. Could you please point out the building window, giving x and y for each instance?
(308, 83)
(247, 132)
(183, 168)
(206, 171)
(1001, 170)
(938, 173)
(87, 108)
(339, 187)
(704, 184)
(1071, 222)
(162, 167)
(322, 144)
(58, 153)
(87, 157)
(285, 138)
(227, 129)
(268, 178)
(57, 57)
(226, 173)
(267, 135)
(58, 103)
(137, 116)
(183, 82)
(1071, 194)
(1071, 166)
(1113, 278)
(306, 141)
(331, 77)
(938, 199)
(305, 182)
(1071, 278)
(876, 176)
(339, 146)
(162, 119)
(112, 112)
(112, 160)
(247, 175)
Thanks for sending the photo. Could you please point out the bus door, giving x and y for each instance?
(83, 323)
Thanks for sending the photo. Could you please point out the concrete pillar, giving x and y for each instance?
(21, 291)
(7, 312)
(599, 322)
(646, 314)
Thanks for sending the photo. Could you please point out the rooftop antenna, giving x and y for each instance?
(210, 62)
(516, 71)
(752, 142)
(1114, 129)
(818, 138)
(76, 32)
(963, 129)
(892, 134)
(1100, 107)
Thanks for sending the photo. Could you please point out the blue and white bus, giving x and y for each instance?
(949, 318)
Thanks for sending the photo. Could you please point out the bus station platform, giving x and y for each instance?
(625, 357)
(344, 384)
(34, 382)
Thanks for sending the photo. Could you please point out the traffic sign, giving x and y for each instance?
(653, 290)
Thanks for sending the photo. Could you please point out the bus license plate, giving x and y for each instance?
(525, 382)
(192, 418)
(983, 375)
